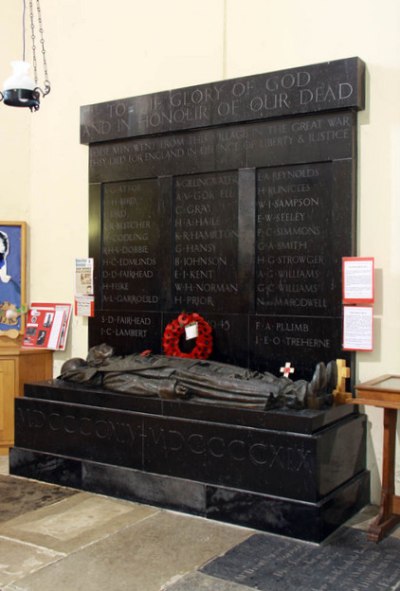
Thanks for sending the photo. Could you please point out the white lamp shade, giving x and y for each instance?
(20, 77)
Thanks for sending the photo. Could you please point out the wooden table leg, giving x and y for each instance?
(386, 519)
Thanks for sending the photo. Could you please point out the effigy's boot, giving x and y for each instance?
(332, 376)
(317, 386)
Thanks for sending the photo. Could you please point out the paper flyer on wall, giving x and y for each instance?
(357, 328)
(358, 280)
(84, 306)
(84, 288)
(47, 326)
(84, 277)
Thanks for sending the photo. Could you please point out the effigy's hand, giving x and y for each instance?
(181, 391)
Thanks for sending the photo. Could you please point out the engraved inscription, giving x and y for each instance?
(127, 332)
(130, 246)
(299, 339)
(73, 425)
(294, 333)
(225, 148)
(206, 241)
(153, 440)
(170, 442)
(312, 88)
(120, 325)
(192, 105)
(294, 239)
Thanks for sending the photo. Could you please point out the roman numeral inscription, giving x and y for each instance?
(219, 454)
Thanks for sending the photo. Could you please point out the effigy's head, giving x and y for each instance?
(72, 365)
(99, 354)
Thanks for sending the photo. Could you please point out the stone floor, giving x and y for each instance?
(54, 538)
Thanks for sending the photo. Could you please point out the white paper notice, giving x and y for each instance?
(357, 328)
(358, 278)
(192, 331)
(84, 306)
(84, 277)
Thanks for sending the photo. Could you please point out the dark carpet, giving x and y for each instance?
(347, 561)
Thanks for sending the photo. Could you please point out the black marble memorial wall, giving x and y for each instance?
(234, 199)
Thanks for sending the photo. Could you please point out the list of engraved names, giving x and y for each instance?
(130, 246)
(206, 241)
(293, 238)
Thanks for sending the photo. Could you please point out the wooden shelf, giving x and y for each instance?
(18, 366)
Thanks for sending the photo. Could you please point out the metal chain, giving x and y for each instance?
(33, 41)
(33, 37)
(23, 29)
(46, 76)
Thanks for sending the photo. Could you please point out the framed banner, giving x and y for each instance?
(12, 277)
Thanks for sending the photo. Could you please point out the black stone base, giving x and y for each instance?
(307, 521)
(299, 474)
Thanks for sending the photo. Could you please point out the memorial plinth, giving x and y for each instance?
(295, 473)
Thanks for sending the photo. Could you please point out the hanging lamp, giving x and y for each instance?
(20, 89)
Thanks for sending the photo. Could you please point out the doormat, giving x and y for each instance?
(346, 561)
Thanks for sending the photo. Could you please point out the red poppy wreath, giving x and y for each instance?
(175, 329)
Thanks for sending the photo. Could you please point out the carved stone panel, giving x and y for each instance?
(206, 242)
(235, 200)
